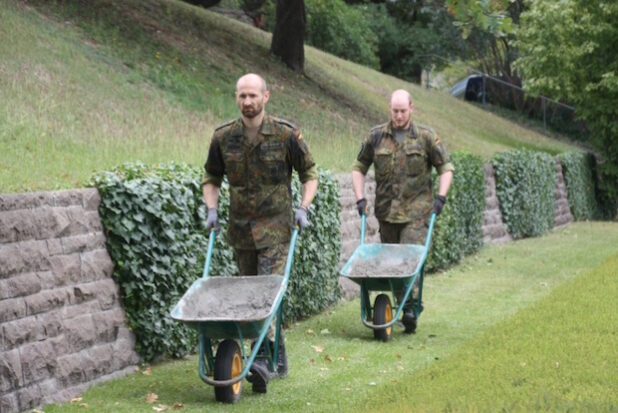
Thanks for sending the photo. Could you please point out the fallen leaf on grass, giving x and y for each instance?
(372, 383)
(318, 349)
(323, 368)
(177, 406)
(309, 331)
(312, 361)
(160, 408)
(84, 405)
(398, 356)
(325, 331)
(147, 372)
(341, 358)
(76, 400)
(152, 397)
(327, 358)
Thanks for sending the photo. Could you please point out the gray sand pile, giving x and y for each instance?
(384, 267)
(231, 298)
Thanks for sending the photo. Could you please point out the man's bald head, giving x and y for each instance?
(251, 80)
(401, 96)
(400, 108)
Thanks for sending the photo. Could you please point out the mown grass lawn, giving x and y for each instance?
(530, 325)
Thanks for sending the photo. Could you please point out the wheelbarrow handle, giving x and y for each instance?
(211, 246)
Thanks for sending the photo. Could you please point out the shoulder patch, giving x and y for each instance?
(284, 122)
(426, 128)
(223, 125)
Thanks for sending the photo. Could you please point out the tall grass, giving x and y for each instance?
(88, 86)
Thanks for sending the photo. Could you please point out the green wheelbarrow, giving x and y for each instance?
(232, 309)
(387, 267)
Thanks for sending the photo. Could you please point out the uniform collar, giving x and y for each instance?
(268, 126)
(412, 130)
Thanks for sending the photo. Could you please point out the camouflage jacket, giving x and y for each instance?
(404, 191)
(259, 174)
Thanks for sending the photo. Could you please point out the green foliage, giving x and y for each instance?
(525, 186)
(458, 230)
(568, 50)
(579, 177)
(154, 221)
(337, 28)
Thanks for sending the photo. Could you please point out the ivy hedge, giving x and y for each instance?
(578, 169)
(525, 186)
(154, 222)
(458, 230)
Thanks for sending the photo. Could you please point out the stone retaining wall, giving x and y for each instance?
(61, 326)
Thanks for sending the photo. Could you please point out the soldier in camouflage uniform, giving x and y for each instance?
(403, 154)
(257, 152)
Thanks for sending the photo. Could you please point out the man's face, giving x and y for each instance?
(401, 110)
(250, 98)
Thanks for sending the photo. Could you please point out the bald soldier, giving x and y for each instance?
(403, 154)
(257, 153)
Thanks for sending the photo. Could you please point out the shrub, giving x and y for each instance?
(578, 170)
(154, 221)
(525, 186)
(458, 230)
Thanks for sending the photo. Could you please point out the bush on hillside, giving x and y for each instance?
(579, 178)
(525, 186)
(458, 229)
(154, 221)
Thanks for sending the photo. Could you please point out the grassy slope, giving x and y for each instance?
(89, 87)
(490, 337)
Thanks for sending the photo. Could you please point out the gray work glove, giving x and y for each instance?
(439, 204)
(300, 219)
(362, 207)
(212, 221)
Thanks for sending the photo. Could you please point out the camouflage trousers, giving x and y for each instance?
(270, 260)
(414, 232)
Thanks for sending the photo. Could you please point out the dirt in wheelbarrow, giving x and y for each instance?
(385, 267)
(238, 298)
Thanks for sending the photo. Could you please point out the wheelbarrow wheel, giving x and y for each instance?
(228, 364)
(382, 314)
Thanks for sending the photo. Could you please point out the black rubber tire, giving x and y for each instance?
(228, 364)
(382, 314)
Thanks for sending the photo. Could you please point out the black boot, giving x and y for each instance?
(259, 370)
(409, 321)
(282, 360)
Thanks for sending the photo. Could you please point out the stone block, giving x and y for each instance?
(11, 376)
(54, 246)
(79, 332)
(68, 197)
(66, 268)
(17, 226)
(38, 361)
(47, 300)
(12, 309)
(105, 291)
(124, 354)
(24, 330)
(83, 242)
(10, 202)
(51, 222)
(51, 323)
(22, 257)
(29, 397)
(103, 358)
(107, 325)
(9, 403)
(72, 311)
(19, 286)
(47, 280)
(74, 368)
(79, 222)
(96, 265)
(93, 221)
(91, 199)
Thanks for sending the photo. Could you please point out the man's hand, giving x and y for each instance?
(212, 221)
(300, 219)
(439, 204)
(362, 207)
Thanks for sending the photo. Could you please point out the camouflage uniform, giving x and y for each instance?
(404, 190)
(260, 174)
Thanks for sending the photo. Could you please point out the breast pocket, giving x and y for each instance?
(236, 168)
(272, 157)
(416, 161)
(383, 161)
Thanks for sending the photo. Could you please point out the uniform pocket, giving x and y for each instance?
(416, 161)
(383, 160)
(235, 167)
(272, 156)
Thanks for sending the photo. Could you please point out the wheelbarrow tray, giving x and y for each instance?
(383, 266)
(229, 307)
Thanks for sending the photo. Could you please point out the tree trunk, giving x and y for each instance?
(289, 33)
